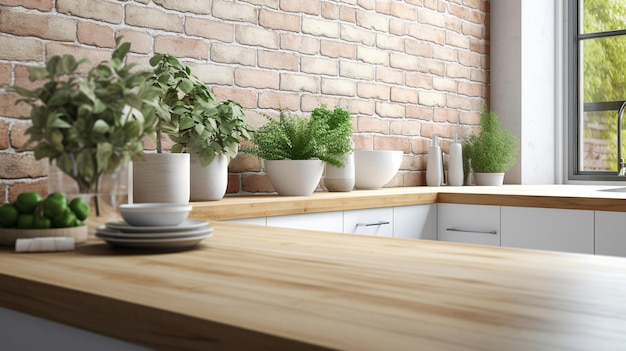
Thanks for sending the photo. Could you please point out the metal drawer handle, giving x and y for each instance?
(493, 232)
(371, 224)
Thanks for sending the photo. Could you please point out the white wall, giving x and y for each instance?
(523, 84)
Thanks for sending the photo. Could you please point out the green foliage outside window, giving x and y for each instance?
(604, 67)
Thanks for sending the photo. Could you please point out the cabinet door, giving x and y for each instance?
(548, 229)
(262, 221)
(415, 222)
(53, 335)
(610, 238)
(471, 224)
(325, 221)
(376, 221)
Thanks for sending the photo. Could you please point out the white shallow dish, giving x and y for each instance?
(167, 244)
(103, 231)
(185, 226)
(154, 214)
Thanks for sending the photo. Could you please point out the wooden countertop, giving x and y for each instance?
(258, 288)
(579, 197)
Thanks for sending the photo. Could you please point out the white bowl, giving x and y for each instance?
(154, 214)
(375, 168)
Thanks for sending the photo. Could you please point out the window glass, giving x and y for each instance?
(601, 83)
(602, 15)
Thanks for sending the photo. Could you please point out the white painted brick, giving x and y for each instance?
(432, 99)
(233, 54)
(342, 87)
(232, 11)
(320, 27)
(356, 70)
(255, 36)
(372, 55)
(387, 109)
(319, 66)
(355, 34)
(298, 82)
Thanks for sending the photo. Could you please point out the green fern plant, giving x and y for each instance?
(494, 149)
(324, 136)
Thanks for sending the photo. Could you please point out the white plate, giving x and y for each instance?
(127, 228)
(156, 244)
(103, 231)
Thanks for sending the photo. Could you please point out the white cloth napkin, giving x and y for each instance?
(44, 244)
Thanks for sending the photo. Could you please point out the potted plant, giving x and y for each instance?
(339, 121)
(203, 129)
(163, 177)
(89, 125)
(492, 152)
(294, 149)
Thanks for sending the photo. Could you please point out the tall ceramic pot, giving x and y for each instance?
(112, 191)
(340, 178)
(208, 183)
(162, 178)
(294, 177)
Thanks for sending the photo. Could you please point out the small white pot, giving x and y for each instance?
(294, 177)
(340, 178)
(161, 178)
(208, 183)
(489, 178)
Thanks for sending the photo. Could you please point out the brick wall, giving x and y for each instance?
(405, 69)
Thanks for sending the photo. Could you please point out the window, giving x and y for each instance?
(597, 87)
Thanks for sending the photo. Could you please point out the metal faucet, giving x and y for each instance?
(621, 166)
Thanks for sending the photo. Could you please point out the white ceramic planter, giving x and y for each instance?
(375, 168)
(162, 178)
(294, 177)
(489, 178)
(340, 178)
(208, 183)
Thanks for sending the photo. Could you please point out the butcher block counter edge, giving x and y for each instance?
(258, 288)
(577, 197)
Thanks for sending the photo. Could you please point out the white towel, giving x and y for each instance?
(44, 244)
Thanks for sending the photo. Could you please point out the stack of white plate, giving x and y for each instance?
(183, 236)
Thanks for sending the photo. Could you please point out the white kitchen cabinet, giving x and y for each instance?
(610, 229)
(262, 221)
(415, 222)
(323, 221)
(547, 229)
(471, 224)
(374, 221)
(20, 331)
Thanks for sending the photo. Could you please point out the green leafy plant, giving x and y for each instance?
(192, 117)
(324, 136)
(494, 149)
(92, 123)
(339, 123)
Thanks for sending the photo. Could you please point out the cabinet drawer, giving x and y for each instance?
(548, 229)
(377, 221)
(610, 229)
(472, 224)
(325, 221)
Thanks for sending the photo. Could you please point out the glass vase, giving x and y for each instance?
(103, 202)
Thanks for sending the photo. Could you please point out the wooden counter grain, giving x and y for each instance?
(579, 197)
(258, 288)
